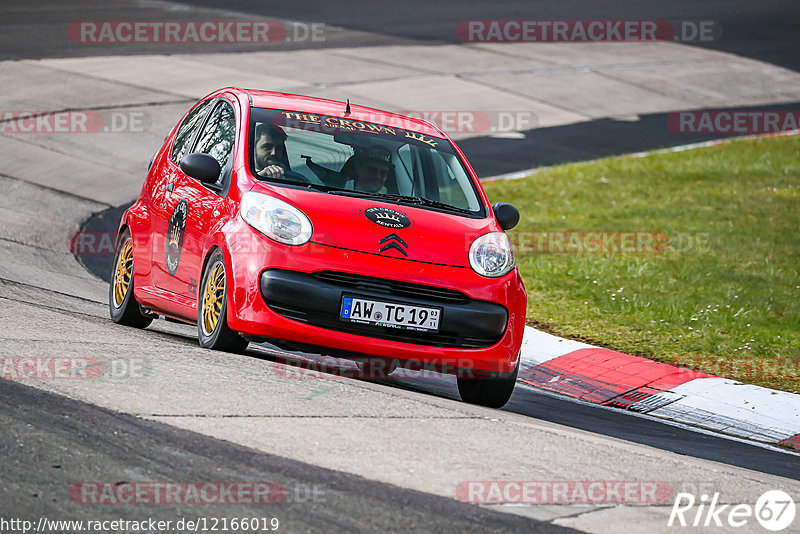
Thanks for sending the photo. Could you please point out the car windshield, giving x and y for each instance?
(358, 158)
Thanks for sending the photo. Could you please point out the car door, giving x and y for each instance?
(167, 222)
(198, 205)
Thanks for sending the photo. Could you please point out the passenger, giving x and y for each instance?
(367, 170)
(371, 170)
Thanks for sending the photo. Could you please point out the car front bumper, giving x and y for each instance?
(316, 299)
(294, 294)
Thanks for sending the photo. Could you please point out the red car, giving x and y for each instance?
(318, 225)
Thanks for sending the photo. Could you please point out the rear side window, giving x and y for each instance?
(183, 139)
(219, 133)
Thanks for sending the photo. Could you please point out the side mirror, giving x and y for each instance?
(201, 167)
(506, 214)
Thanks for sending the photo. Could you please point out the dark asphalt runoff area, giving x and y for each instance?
(766, 30)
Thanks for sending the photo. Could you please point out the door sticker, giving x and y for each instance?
(175, 231)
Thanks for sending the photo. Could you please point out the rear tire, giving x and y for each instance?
(492, 391)
(122, 305)
(213, 331)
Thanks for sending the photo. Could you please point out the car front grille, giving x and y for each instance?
(392, 287)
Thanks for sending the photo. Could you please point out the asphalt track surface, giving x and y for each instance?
(557, 409)
(612, 422)
(71, 435)
(547, 146)
(546, 406)
(550, 407)
(75, 439)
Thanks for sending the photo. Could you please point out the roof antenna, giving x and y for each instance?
(347, 109)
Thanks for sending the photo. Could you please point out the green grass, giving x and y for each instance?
(728, 304)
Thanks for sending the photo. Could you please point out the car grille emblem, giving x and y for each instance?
(387, 217)
(393, 241)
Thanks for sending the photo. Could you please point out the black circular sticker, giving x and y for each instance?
(387, 217)
(175, 230)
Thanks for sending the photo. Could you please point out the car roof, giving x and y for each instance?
(322, 106)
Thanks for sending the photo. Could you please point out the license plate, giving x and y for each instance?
(390, 314)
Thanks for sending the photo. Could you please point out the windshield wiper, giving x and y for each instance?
(351, 193)
(422, 201)
(322, 187)
(307, 185)
(434, 204)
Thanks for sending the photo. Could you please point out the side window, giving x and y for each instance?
(450, 190)
(219, 133)
(414, 182)
(183, 139)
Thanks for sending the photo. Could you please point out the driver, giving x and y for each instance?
(270, 151)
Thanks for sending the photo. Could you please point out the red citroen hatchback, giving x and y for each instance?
(316, 225)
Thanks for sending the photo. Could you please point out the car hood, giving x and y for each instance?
(387, 229)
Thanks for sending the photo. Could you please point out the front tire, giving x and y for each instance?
(213, 331)
(122, 305)
(492, 391)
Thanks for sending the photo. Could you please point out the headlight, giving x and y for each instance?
(276, 219)
(491, 255)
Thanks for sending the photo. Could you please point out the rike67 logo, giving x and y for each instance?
(774, 511)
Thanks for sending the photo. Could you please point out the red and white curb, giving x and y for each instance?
(612, 378)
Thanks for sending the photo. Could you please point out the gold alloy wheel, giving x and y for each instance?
(123, 272)
(212, 298)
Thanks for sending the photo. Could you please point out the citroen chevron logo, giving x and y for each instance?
(394, 242)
